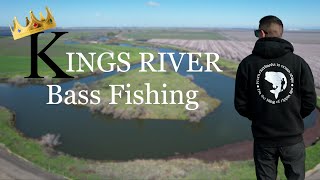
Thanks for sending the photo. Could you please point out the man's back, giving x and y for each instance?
(275, 90)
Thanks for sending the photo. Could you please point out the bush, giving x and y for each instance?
(129, 113)
(106, 108)
(47, 80)
(97, 72)
(80, 86)
(50, 140)
(77, 87)
(190, 77)
(198, 114)
(18, 81)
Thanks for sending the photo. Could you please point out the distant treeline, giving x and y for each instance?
(5, 32)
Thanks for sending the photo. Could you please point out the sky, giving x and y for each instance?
(295, 14)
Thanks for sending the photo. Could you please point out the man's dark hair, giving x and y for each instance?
(271, 25)
(268, 20)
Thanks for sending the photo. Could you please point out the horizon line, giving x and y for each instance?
(169, 27)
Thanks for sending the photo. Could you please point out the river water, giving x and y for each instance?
(95, 136)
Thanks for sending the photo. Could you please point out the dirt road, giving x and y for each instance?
(12, 167)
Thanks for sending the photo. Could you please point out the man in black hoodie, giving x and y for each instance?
(275, 90)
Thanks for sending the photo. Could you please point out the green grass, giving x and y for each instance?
(137, 80)
(138, 169)
(15, 56)
(173, 34)
(318, 102)
(229, 67)
(312, 159)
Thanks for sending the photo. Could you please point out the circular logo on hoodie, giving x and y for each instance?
(275, 83)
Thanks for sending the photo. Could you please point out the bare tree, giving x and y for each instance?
(50, 140)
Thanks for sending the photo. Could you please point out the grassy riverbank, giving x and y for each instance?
(138, 169)
(229, 67)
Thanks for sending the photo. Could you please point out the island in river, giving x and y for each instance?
(165, 95)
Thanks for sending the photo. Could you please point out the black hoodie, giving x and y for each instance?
(275, 90)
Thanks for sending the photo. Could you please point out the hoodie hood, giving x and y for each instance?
(272, 47)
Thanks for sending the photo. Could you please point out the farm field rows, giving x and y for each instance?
(237, 50)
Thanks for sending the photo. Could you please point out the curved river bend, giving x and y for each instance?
(94, 136)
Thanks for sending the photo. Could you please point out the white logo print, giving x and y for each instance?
(278, 81)
(280, 77)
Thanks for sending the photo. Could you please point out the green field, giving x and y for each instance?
(318, 102)
(171, 78)
(173, 34)
(138, 169)
(229, 67)
(15, 56)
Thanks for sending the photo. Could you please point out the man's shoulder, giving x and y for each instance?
(295, 58)
(249, 59)
(301, 61)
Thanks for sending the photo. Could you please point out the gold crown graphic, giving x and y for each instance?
(33, 26)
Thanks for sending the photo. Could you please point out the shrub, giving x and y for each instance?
(80, 86)
(190, 77)
(18, 81)
(77, 87)
(97, 72)
(106, 108)
(47, 80)
(50, 140)
(198, 114)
